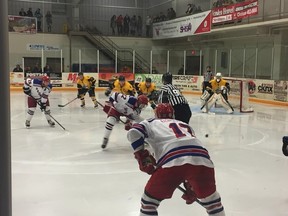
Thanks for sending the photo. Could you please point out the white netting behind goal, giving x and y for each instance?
(239, 95)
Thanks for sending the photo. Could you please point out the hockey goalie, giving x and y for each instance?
(216, 91)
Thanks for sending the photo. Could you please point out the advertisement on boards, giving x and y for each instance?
(106, 79)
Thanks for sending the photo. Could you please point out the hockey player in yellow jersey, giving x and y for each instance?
(86, 84)
(148, 88)
(122, 86)
(216, 91)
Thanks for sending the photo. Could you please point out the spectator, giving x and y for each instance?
(22, 12)
(133, 25)
(29, 13)
(37, 69)
(113, 24)
(139, 25)
(17, 68)
(48, 17)
(126, 24)
(39, 16)
(181, 70)
(173, 13)
(119, 22)
(48, 70)
(148, 26)
(191, 9)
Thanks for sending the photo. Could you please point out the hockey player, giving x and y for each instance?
(149, 89)
(122, 105)
(216, 91)
(171, 94)
(179, 157)
(38, 90)
(122, 86)
(285, 145)
(208, 76)
(86, 84)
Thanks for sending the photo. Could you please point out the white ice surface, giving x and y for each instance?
(65, 173)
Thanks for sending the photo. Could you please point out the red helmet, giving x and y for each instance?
(164, 110)
(46, 79)
(142, 101)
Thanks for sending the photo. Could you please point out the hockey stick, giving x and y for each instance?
(47, 113)
(59, 105)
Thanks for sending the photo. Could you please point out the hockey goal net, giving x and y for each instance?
(239, 95)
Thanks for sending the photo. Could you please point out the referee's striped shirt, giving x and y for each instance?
(170, 94)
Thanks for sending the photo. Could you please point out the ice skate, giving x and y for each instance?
(104, 144)
(82, 105)
(51, 123)
(27, 124)
(96, 105)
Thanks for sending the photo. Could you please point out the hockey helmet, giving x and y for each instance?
(148, 80)
(142, 101)
(46, 79)
(167, 78)
(164, 111)
(121, 78)
(218, 77)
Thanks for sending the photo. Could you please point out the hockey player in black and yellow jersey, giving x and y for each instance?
(216, 91)
(86, 84)
(122, 86)
(148, 88)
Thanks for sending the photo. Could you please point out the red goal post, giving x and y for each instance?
(239, 94)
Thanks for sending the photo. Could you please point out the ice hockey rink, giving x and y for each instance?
(58, 172)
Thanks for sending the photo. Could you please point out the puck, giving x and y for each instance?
(206, 135)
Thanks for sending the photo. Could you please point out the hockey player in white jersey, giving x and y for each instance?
(179, 158)
(38, 90)
(122, 105)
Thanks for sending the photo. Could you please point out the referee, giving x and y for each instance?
(170, 94)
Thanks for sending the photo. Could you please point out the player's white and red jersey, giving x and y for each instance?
(173, 142)
(38, 90)
(126, 105)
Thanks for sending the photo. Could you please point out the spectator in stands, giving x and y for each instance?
(148, 26)
(113, 24)
(139, 25)
(190, 9)
(48, 70)
(154, 70)
(162, 17)
(48, 17)
(17, 68)
(29, 13)
(133, 25)
(126, 24)
(22, 12)
(119, 22)
(173, 13)
(181, 70)
(37, 69)
(39, 16)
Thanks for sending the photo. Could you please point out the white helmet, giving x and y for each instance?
(218, 76)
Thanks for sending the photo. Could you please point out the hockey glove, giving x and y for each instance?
(190, 195)
(153, 105)
(78, 95)
(27, 90)
(128, 125)
(285, 145)
(43, 106)
(108, 92)
(146, 161)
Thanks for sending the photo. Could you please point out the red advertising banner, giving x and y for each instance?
(235, 11)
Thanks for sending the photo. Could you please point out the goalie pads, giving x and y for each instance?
(205, 96)
(219, 99)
